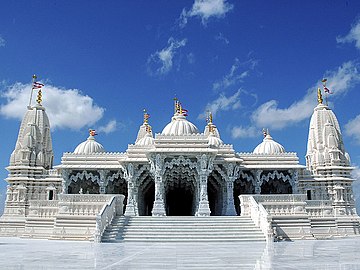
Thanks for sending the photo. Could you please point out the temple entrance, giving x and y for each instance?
(180, 197)
(179, 202)
(215, 196)
(146, 197)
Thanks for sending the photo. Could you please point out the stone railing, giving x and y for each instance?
(321, 208)
(251, 208)
(82, 204)
(43, 208)
(113, 208)
(53, 172)
(283, 204)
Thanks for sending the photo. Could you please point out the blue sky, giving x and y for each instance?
(254, 64)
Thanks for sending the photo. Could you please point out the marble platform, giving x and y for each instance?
(18, 253)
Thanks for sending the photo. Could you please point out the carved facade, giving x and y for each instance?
(179, 171)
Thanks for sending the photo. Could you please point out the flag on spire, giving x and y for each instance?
(92, 132)
(37, 85)
(326, 90)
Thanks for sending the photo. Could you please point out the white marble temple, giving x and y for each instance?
(18, 253)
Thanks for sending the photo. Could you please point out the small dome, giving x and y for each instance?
(180, 126)
(269, 146)
(214, 141)
(145, 141)
(89, 146)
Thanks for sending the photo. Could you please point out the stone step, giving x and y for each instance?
(182, 229)
(174, 228)
(183, 240)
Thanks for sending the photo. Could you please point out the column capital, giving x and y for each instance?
(205, 164)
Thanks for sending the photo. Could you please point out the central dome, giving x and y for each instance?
(179, 126)
(90, 146)
(269, 146)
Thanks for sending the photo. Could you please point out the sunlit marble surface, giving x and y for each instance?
(43, 254)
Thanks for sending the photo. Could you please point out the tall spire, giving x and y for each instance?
(34, 146)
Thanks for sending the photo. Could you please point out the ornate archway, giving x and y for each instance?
(83, 182)
(276, 182)
(243, 185)
(146, 194)
(215, 193)
(180, 191)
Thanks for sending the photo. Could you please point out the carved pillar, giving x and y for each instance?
(230, 206)
(294, 181)
(232, 174)
(204, 167)
(103, 181)
(158, 170)
(258, 181)
(131, 204)
(65, 173)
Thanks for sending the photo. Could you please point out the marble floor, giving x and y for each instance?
(306, 254)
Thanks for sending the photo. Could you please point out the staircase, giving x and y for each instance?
(182, 229)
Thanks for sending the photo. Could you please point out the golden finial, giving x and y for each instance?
(320, 99)
(34, 77)
(210, 117)
(148, 129)
(39, 97)
(146, 117)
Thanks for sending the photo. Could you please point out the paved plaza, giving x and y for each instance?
(18, 253)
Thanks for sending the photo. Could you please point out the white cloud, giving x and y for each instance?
(190, 58)
(221, 37)
(244, 132)
(205, 9)
(352, 36)
(233, 77)
(222, 103)
(269, 115)
(109, 127)
(352, 128)
(356, 173)
(163, 60)
(2, 42)
(66, 108)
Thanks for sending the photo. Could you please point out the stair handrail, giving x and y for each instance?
(111, 209)
(261, 218)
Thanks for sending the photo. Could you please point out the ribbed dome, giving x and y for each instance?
(89, 146)
(214, 141)
(145, 141)
(179, 126)
(269, 146)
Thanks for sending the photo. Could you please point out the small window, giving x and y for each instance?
(51, 195)
(308, 194)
